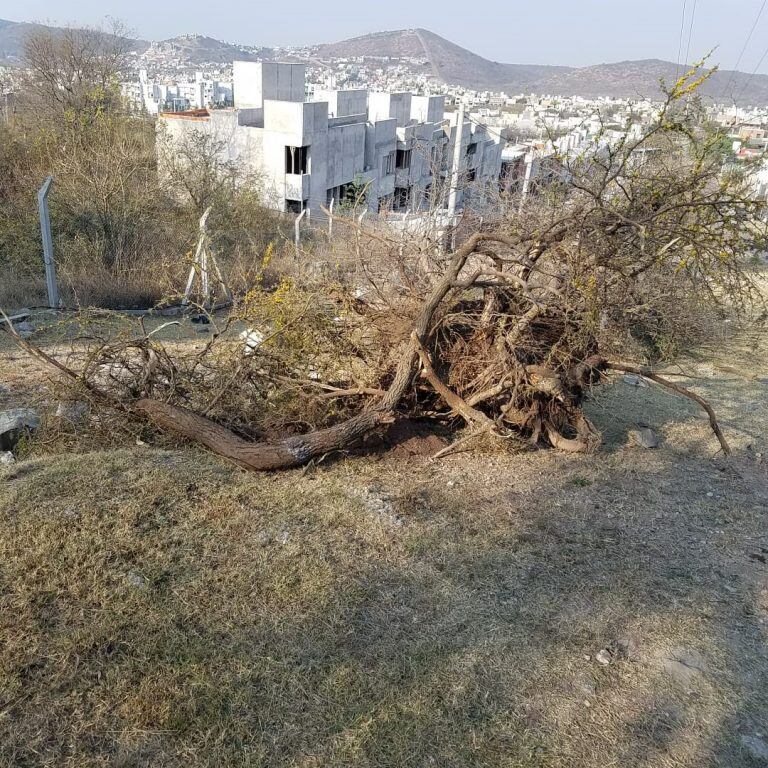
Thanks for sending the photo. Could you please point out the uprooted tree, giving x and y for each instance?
(635, 244)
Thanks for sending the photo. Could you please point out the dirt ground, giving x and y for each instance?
(159, 607)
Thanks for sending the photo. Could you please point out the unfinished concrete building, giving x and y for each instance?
(398, 147)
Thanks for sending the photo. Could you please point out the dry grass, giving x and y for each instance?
(160, 608)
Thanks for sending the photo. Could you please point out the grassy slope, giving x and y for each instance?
(159, 608)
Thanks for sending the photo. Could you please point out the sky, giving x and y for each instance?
(572, 32)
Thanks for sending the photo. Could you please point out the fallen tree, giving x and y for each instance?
(636, 246)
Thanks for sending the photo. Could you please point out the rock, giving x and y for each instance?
(603, 657)
(645, 437)
(684, 666)
(634, 380)
(14, 423)
(252, 339)
(74, 413)
(757, 748)
(629, 646)
(200, 319)
(203, 329)
(6, 457)
(136, 580)
(378, 502)
(24, 329)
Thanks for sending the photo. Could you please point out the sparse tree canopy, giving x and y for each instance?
(76, 69)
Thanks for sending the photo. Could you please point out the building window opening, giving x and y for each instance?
(297, 160)
(295, 206)
(389, 164)
(403, 159)
(401, 199)
(471, 149)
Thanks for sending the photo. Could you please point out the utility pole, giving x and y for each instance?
(45, 231)
(455, 168)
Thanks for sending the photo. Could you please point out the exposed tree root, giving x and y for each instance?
(649, 374)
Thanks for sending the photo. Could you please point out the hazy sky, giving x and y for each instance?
(575, 32)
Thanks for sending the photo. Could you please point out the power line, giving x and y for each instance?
(680, 42)
(744, 49)
(690, 33)
(754, 72)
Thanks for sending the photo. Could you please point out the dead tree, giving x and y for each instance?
(639, 239)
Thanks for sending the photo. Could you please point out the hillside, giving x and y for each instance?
(14, 33)
(450, 62)
(453, 64)
(633, 78)
(193, 50)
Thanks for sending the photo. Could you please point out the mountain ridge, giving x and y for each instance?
(447, 63)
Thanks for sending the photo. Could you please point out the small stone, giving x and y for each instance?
(136, 580)
(252, 339)
(757, 748)
(603, 657)
(14, 423)
(629, 646)
(203, 329)
(645, 437)
(74, 413)
(6, 457)
(25, 330)
(710, 494)
(634, 380)
(684, 666)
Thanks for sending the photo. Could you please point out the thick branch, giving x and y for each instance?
(649, 374)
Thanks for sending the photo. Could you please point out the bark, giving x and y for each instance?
(282, 454)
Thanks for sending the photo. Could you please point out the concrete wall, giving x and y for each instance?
(382, 106)
(254, 82)
(427, 109)
(342, 103)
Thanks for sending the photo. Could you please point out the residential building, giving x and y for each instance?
(398, 147)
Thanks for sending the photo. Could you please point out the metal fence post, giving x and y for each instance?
(45, 231)
(297, 231)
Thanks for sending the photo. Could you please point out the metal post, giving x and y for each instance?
(197, 262)
(403, 231)
(330, 218)
(297, 231)
(456, 168)
(527, 179)
(45, 231)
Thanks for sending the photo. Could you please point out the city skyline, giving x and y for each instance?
(595, 32)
